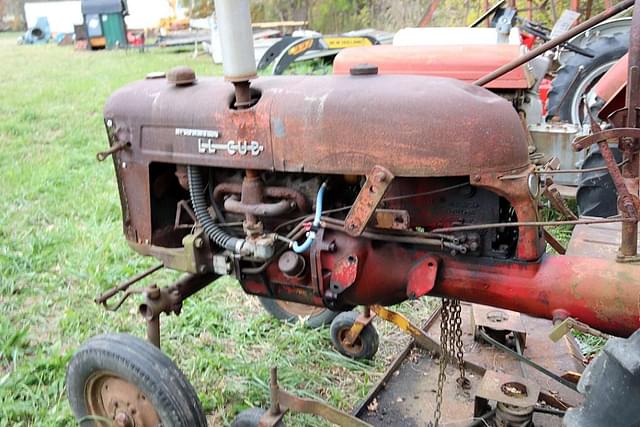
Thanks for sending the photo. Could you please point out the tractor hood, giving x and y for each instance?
(463, 62)
(412, 125)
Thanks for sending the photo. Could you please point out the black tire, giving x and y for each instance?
(597, 195)
(568, 87)
(316, 319)
(365, 347)
(131, 360)
(251, 418)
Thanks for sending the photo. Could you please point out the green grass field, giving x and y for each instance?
(61, 244)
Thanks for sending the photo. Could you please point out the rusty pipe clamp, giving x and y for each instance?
(160, 300)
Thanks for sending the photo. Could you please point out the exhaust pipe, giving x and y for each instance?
(236, 38)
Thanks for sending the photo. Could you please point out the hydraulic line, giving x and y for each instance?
(316, 223)
(199, 202)
(408, 237)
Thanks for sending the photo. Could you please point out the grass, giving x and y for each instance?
(61, 244)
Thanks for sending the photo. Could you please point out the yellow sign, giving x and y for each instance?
(299, 48)
(342, 42)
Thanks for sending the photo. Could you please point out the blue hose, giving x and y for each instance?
(311, 236)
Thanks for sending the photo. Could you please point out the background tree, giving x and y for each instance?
(335, 16)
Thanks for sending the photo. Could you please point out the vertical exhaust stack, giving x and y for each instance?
(236, 37)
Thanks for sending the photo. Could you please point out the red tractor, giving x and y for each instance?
(366, 187)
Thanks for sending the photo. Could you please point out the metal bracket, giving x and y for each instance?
(356, 329)
(552, 194)
(605, 135)
(422, 277)
(183, 206)
(564, 327)
(169, 300)
(370, 196)
(282, 401)
(191, 258)
(344, 274)
(498, 319)
(392, 219)
(421, 338)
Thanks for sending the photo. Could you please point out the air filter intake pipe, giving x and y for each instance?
(236, 39)
(211, 229)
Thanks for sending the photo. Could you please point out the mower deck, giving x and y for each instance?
(406, 394)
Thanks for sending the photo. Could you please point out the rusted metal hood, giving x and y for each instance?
(412, 125)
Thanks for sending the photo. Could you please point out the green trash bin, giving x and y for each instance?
(104, 21)
(114, 30)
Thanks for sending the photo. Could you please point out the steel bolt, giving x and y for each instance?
(476, 178)
(379, 177)
(109, 123)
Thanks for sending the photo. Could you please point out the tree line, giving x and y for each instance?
(335, 16)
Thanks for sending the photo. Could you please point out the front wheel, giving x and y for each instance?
(121, 380)
(364, 347)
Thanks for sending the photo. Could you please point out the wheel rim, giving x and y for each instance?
(357, 346)
(119, 402)
(577, 114)
(299, 310)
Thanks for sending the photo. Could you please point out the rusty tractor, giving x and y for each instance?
(356, 189)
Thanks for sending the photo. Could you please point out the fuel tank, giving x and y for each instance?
(412, 125)
(466, 62)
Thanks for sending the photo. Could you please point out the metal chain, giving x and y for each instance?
(451, 349)
(444, 358)
(463, 381)
(452, 330)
